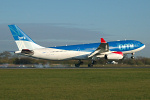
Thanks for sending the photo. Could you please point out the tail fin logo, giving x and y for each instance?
(21, 38)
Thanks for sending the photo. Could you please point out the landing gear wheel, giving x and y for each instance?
(77, 65)
(132, 57)
(90, 65)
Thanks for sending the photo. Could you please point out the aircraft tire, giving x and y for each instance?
(90, 65)
(132, 57)
(77, 65)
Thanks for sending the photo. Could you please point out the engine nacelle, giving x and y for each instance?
(114, 56)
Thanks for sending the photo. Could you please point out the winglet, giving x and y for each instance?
(103, 41)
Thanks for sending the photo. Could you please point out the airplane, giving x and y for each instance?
(113, 50)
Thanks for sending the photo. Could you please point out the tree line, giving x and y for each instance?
(9, 58)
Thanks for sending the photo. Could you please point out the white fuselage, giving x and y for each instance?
(57, 54)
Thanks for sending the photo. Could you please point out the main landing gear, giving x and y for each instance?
(79, 63)
(91, 65)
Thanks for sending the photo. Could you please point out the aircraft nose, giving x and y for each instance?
(144, 46)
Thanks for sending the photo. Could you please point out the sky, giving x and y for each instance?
(60, 22)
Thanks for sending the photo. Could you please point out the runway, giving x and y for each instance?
(3, 67)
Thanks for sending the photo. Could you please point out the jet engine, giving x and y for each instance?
(114, 56)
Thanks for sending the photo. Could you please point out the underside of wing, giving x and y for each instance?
(103, 51)
(103, 47)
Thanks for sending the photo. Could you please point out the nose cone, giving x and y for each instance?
(142, 46)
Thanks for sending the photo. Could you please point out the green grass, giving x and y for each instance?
(75, 84)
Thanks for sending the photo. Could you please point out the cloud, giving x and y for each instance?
(50, 34)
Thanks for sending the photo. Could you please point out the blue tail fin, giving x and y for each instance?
(22, 40)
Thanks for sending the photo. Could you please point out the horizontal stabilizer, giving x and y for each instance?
(27, 52)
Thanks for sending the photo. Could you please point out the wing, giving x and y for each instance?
(103, 47)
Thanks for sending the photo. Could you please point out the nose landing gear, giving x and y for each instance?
(132, 57)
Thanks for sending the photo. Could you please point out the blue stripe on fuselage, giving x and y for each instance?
(124, 45)
(80, 47)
